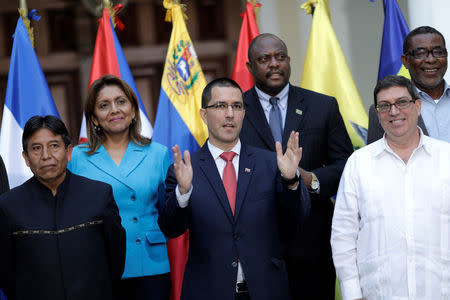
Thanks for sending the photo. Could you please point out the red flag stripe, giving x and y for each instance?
(104, 60)
(249, 30)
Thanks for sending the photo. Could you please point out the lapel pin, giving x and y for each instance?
(298, 111)
(247, 170)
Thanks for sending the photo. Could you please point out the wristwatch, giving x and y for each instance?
(314, 183)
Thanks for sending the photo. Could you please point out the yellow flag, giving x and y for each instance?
(326, 71)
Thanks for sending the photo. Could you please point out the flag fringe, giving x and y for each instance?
(256, 7)
(170, 5)
(26, 21)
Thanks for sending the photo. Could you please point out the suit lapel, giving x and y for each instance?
(295, 114)
(246, 169)
(132, 158)
(209, 168)
(255, 114)
(103, 161)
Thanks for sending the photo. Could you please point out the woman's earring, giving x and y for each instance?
(133, 121)
(97, 128)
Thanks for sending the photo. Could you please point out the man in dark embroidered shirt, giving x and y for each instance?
(60, 234)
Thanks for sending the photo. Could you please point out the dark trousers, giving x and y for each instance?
(242, 296)
(155, 287)
(242, 291)
(312, 281)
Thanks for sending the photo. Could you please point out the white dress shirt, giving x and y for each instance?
(391, 225)
(264, 99)
(183, 200)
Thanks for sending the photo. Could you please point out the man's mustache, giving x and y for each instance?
(268, 74)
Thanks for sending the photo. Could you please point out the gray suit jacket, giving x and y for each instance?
(375, 131)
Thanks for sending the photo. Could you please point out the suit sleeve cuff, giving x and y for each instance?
(183, 200)
(351, 289)
(295, 187)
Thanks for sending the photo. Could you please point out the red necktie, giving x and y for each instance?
(229, 178)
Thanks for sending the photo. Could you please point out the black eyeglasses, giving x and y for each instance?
(222, 106)
(400, 104)
(422, 53)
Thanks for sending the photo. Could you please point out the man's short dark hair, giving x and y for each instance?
(417, 31)
(252, 43)
(51, 123)
(221, 82)
(395, 80)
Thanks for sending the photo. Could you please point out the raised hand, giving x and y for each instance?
(288, 163)
(183, 169)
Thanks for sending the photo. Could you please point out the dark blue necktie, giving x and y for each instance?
(275, 120)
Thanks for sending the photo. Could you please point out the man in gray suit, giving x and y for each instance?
(425, 56)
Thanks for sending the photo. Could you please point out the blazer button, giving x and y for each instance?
(135, 220)
(138, 241)
(234, 264)
(133, 198)
(236, 236)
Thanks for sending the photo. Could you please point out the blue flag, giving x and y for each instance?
(27, 95)
(394, 32)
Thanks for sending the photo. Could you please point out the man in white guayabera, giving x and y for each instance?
(391, 225)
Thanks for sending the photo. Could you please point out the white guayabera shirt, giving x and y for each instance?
(391, 225)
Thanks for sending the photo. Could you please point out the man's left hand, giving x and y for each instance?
(288, 163)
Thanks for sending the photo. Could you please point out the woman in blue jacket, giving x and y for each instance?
(136, 168)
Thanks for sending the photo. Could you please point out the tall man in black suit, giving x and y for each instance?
(60, 234)
(235, 200)
(274, 108)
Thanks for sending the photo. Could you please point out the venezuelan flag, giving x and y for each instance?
(27, 95)
(395, 31)
(177, 119)
(326, 71)
(109, 59)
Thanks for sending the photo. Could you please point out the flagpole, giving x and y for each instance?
(23, 5)
(112, 14)
(23, 11)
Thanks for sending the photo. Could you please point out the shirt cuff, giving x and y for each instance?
(296, 187)
(183, 200)
(351, 289)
